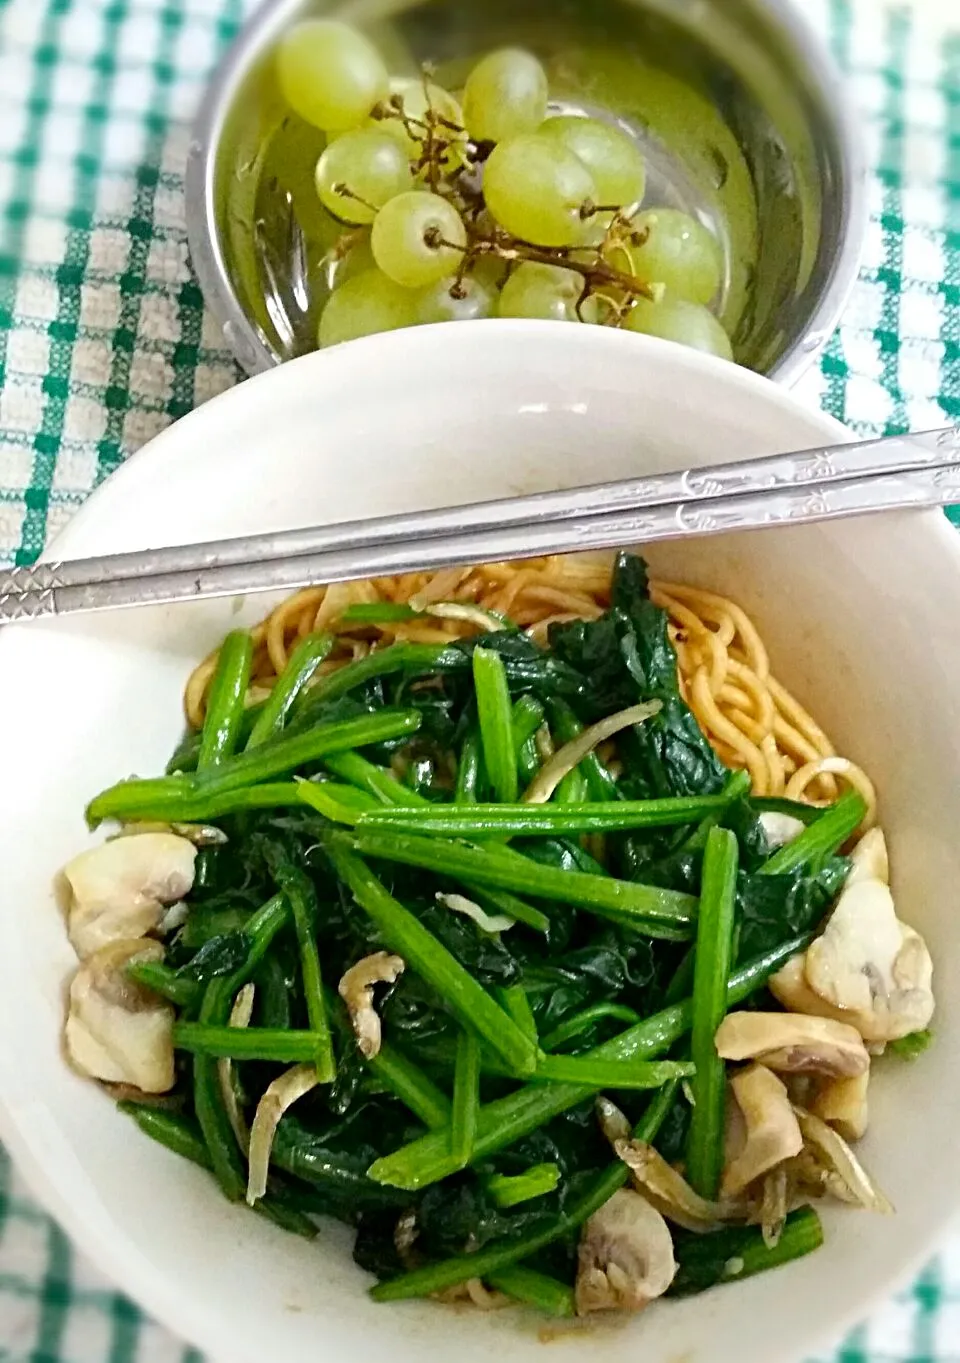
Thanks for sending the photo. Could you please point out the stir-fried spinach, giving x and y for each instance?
(594, 980)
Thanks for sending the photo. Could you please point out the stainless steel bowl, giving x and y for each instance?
(738, 106)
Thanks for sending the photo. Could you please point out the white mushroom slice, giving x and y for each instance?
(625, 1258)
(118, 890)
(356, 990)
(832, 1152)
(871, 965)
(842, 1104)
(116, 1030)
(772, 1130)
(869, 859)
(779, 829)
(670, 1193)
(789, 987)
(792, 1043)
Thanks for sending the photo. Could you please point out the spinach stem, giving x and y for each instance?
(547, 1294)
(165, 981)
(165, 796)
(647, 909)
(225, 700)
(739, 1252)
(714, 952)
(610, 1074)
(526, 718)
(466, 1097)
(180, 1136)
(406, 935)
(484, 1263)
(509, 1190)
(469, 767)
(515, 1002)
(260, 928)
(496, 722)
(303, 662)
(575, 1026)
(506, 1120)
(543, 820)
(510, 904)
(366, 776)
(820, 839)
(566, 727)
(283, 1045)
(298, 888)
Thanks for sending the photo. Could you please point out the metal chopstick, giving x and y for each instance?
(820, 466)
(804, 503)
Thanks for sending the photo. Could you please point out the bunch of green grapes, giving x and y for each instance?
(485, 206)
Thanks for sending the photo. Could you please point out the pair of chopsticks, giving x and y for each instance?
(893, 473)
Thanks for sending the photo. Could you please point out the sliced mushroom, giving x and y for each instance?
(772, 1130)
(625, 1258)
(356, 990)
(116, 1030)
(779, 829)
(792, 1044)
(877, 969)
(671, 1194)
(842, 1104)
(869, 859)
(789, 987)
(117, 891)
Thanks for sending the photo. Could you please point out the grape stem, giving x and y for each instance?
(597, 273)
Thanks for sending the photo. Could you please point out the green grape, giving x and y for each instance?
(330, 74)
(453, 300)
(355, 261)
(371, 165)
(490, 270)
(671, 248)
(505, 95)
(612, 158)
(536, 189)
(418, 238)
(677, 319)
(367, 303)
(418, 100)
(541, 291)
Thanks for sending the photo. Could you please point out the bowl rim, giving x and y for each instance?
(245, 338)
(182, 440)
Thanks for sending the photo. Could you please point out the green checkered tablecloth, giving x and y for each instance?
(103, 341)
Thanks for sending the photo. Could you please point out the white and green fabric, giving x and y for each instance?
(103, 341)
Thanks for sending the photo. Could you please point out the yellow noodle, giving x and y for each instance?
(705, 708)
(855, 777)
(723, 668)
(279, 620)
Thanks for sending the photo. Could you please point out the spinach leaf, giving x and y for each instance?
(218, 956)
(773, 908)
(626, 656)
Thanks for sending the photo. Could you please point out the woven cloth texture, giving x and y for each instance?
(104, 341)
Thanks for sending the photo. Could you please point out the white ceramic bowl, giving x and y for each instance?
(861, 620)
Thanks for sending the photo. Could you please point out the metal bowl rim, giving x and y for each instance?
(251, 348)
